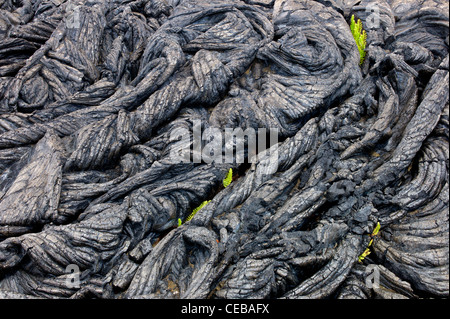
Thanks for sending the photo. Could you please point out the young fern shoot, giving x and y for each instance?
(360, 37)
(228, 178)
(226, 181)
(367, 251)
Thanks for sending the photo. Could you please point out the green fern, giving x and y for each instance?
(367, 251)
(228, 178)
(360, 37)
(227, 181)
(203, 204)
(376, 230)
(364, 255)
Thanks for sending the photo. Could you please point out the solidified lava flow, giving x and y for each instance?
(224, 149)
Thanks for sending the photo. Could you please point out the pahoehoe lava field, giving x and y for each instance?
(224, 149)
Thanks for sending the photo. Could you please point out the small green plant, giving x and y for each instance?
(360, 37)
(228, 178)
(203, 204)
(376, 230)
(364, 255)
(367, 251)
(227, 181)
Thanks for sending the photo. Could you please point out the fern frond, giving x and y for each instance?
(360, 37)
(376, 230)
(226, 182)
(353, 26)
(367, 251)
(203, 204)
(228, 178)
(364, 254)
